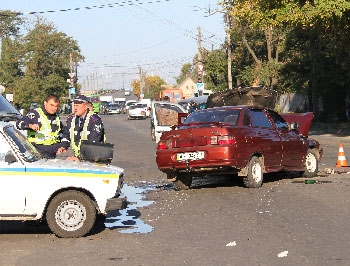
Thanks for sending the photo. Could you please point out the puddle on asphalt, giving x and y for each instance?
(129, 217)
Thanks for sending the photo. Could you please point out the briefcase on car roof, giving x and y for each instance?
(96, 152)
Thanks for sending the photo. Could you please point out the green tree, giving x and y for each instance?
(258, 29)
(10, 23)
(294, 46)
(152, 87)
(136, 87)
(215, 68)
(45, 57)
(318, 54)
(10, 63)
(187, 70)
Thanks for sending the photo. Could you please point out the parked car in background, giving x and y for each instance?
(164, 114)
(145, 107)
(128, 103)
(104, 108)
(137, 111)
(114, 108)
(74, 192)
(243, 141)
(194, 103)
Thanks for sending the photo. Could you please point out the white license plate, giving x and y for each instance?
(191, 156)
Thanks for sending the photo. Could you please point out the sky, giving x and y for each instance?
(118, 38)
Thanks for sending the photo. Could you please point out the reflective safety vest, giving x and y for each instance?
(45, 135)
(84, 133)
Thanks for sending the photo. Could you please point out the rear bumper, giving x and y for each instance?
(114, 204)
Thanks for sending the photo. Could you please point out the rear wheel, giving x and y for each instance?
(254, 178)
(311, 164)
(71, 214)
(182, 182)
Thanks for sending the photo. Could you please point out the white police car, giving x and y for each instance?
(66, 194)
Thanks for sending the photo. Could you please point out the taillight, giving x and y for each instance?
(222, 140)
(163, 144)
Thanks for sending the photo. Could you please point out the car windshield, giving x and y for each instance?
(20, 142)
(7, 111)
(213, 116)
(130, 103)
(136, 106)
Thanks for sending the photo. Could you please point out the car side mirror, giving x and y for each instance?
(10, 158)
(294, 126)
(181, 117)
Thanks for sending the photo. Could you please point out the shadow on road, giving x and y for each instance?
(234, 180)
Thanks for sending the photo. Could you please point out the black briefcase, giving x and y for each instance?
(96, 152)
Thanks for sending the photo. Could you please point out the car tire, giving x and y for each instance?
(254, 178)
(71, 214)
(182, 182)
(153, 133)
(311, 164)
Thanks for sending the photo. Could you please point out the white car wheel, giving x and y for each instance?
(71, 214)
(254, 179)
(311, 164)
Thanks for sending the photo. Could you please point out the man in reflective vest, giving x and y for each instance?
(82, 125)
(44, 127)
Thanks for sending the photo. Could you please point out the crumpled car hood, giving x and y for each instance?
(303, 119)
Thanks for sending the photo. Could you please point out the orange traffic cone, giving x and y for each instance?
(341, 157)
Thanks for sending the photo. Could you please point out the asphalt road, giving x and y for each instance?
(217, 222)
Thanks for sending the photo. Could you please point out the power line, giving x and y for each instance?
(110, 5)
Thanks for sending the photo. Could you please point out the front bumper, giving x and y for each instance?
(114, 204)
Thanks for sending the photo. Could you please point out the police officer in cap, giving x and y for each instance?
(44, 127)
(83, 125)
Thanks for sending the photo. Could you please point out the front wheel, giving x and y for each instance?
(182, 182)
(311, 164)
(254, 179)
(71, 214)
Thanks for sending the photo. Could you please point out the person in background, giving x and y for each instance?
(82, 125)
(44, 127)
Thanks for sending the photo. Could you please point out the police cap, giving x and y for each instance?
(81, 99)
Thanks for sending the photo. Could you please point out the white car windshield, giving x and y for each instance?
(20, 142)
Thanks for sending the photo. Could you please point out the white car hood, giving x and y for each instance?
(73, 167)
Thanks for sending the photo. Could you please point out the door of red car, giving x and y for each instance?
(264, 138)
(294, 148)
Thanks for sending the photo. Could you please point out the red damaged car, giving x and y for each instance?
(245, 141)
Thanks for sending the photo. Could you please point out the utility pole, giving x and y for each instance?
(71, 80)
(142, 82)
(200, 58)
(200, 66)
(228, 22)
(228, 44)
